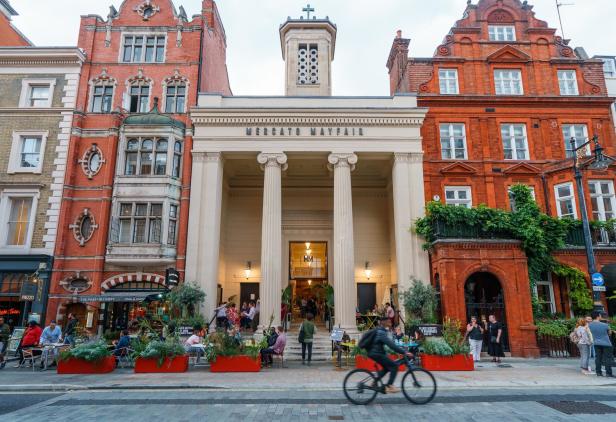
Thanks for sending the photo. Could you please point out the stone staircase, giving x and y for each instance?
(321, 346)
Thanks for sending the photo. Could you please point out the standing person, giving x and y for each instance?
(603, 346)
(308, 328)
(302, 307)
(51, 335)
(592, 346)
(5, 334)
(474, 332)
(244, 308)
(390, 313)
(232, 315)
(248, 317)
(71, 330)
(221, 316)
(31, 338)
(495, 337)
(585, 340)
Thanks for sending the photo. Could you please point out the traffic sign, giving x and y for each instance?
(598, 288)
(597, 279)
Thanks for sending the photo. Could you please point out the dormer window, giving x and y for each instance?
(501, 32)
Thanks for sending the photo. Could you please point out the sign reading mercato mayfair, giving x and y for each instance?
(305, 131)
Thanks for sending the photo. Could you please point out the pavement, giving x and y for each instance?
(512, 374)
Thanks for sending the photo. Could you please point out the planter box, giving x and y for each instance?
(80, 366)
(150, 365)
(364, 362)
(447, 363)
(239, 363)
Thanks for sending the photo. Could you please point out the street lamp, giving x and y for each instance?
(599, 162)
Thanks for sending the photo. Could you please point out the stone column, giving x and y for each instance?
(270, 287)
(345, 290)
(203, 247)
(409, 204)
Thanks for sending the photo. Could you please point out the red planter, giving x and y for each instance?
(239, 363)
(80, 366)
(364, 362)
(150, 365)
(448, 363)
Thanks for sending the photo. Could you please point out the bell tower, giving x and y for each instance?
(308, 45)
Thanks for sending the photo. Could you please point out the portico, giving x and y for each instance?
(268, 171)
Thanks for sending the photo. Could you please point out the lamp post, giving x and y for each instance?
(599, 162)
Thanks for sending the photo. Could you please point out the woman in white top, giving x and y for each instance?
(584, 343)
(193, 344)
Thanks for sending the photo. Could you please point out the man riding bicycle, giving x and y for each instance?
(377, 353)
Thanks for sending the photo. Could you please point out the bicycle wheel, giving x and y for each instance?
(360, 386)
(419, 386)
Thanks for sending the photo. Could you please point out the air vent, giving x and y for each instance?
(490, 110)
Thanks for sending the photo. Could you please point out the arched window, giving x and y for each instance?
(146, 156)
(177, 159)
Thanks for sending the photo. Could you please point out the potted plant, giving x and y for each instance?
(447, 353)
(87, 358)
(162, 356)
(227, 354)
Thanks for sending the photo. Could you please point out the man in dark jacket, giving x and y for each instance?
(71, 330)
(5, 335)
(377, 353)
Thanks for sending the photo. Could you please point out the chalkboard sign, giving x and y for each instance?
(431, 330)
(18, 333)
(185, 331)
(336, 334)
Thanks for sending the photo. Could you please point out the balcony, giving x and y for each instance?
(601, 237)
(445, 230)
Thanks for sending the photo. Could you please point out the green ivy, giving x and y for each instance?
(540, 234)
(579, 293)
(555, 327)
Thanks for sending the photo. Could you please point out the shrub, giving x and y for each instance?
(90, 352)
(452, 334)
(437, 346)
(420, 302)
(555, 327)
(161, 350)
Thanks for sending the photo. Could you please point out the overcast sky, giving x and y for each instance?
(365, 31)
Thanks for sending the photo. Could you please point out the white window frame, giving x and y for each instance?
(144, 35)
(139, 84)
(15, 154)
(598, 194)
(6, 198)
(570, 134)
(565, 77)
(456, 201)
(505, 31)
(550, 285)
(514, 150)
(444, 78)
(609, 67)
(561, 199)
(510, 195)
(452, 148)
(501, 83)
(26, 86)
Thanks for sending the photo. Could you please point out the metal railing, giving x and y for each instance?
(557, 347)
(604, 237)
(446, 230)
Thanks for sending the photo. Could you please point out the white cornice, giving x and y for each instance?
(41, 56)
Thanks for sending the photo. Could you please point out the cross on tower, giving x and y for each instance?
(308, 9)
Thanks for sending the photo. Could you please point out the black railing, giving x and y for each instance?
(602, 237)
(557, 347)
(446, 230)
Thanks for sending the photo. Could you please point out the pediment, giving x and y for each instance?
(522, 168)
(509, 54)
(458, 168)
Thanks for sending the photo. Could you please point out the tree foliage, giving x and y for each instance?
(420, 302)
(186, 298)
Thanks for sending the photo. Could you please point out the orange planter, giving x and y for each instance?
(80, 366)
(364, 362)
(239, 363)
(447, 363)
(150, 365)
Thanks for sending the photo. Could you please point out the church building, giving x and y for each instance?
(307, 189)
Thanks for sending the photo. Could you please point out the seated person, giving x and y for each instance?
(277, 348)
(345, 339)
(122, 345)
(194, 343)
(51, 335)
(30, 340)
(237, 336)
(398, 334)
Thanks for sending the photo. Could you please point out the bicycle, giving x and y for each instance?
(418, 385)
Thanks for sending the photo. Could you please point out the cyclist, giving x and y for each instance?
(377, 353)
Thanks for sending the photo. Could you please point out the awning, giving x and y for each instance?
(109, 297)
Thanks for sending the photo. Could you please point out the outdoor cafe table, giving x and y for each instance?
(52, 348)
(370, 320)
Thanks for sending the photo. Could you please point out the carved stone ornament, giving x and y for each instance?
(92, 161)
(83, 227)
(76, 283)
(146, 9)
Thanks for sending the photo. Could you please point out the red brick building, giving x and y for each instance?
(124, 214)
(505, 96)
(10, 36)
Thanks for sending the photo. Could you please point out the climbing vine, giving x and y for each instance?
(539, 233)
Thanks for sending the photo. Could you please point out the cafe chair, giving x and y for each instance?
(30, 357)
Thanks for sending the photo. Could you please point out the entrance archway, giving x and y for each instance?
(484, 296)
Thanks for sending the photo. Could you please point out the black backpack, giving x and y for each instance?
(367, 339)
